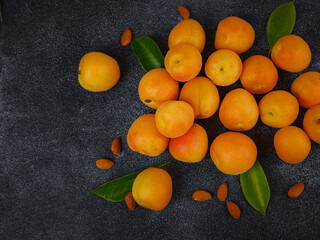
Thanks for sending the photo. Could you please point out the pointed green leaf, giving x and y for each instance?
(255, 188)
(117, 189)
(281, 22)
(148, 53)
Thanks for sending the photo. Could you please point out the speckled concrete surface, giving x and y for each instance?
(52, 130)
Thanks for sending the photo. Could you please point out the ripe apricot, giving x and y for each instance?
(190, 147)
(223, 67)
(183, 62)
(202, 95)
(259, 75)
(306, 88)
(143, 137)
(235, 34)
(174, 118)
(292, 144)
(152, 188)
(157, 87)
(311, 123)
(98, 72)
(278, 109)
(233, 153)
(188, 31)
(291, 53)
(239, 110)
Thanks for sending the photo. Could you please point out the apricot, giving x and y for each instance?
(143, 137)
(311, 123)
(152, 188)
(291, 53)
(202, 95)
(174, 118)
(233, 153)
(157, 87)
(188, 31)
(183, 62)
(259, 75)
(239, 110)
(190, 147)
(292, 144)
(98, 72)
(223, 67)
(306, 88)
(278, 109)
(235, 34)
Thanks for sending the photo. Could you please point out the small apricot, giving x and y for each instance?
(311, 123)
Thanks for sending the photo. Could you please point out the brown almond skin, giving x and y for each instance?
(201, 195)
(222, 192)
(104, 163)
(116, 146)
(131, 203)
(233, 209)
(184, 12)
(296, 190)
(126, 37)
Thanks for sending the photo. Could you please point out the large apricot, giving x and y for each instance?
(183, 62)
(98, 72)
(143, 137)
(259, 75)
(311, 123)
(157, 87)
(202, 95)
(233, 153)
(152, 188)
(190, 147)
(188, 31)
(223, 67)
(174, 118)
(235, 34)
(291, 53)
(239, 110)
(278, 109)
(306, 88)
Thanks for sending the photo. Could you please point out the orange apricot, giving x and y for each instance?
(157, 87)
(278, 109)
(183, 62)
(174, 118)
(233, 153)
(292, 144)
(202, 95)
(235, 34)
(306, 88)
(311, 123)
(239, 110)
(190, 147)
(291, 53)
(259, 75)
(143, 137)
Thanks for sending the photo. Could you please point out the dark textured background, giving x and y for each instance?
(52, 131)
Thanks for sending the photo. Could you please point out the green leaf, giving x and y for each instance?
(148, 53)
(117, 189)
(281, 22)
(255, 188)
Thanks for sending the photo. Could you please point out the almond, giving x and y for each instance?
(201, 195)
(296, 190)
(131, 203)
(222, 192)
(116, 146)
(184, 12)
(126, 37)
(104, 163)
(233, 209)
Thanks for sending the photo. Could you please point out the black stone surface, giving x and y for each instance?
(52, 130)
